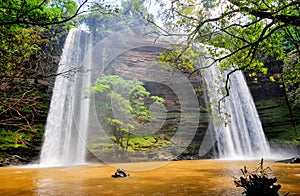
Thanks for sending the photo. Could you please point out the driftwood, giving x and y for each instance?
(257, 182)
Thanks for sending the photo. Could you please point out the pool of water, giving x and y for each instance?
(195, 177)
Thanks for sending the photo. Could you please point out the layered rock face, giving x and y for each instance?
(141, 63)
(160, 80)
(280, 121)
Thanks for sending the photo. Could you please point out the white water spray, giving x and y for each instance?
(243, 136)
(67, 122)
(68, 118)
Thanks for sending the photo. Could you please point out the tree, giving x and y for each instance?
(21, 29)
(31, 33)
(245, 30)
(103, 20)
(39, 12)
(129, 96)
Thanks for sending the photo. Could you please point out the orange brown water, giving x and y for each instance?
(201, 177)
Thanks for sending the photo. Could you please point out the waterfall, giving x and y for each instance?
(68, 118)
(67, 122)
(242, 137)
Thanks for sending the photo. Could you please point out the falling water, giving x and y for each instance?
(242, 137)
(66, 128)
(67, 123)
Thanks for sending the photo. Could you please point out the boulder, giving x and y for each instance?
(120, 173)
(291, 160)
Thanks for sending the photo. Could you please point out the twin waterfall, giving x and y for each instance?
(68, 119)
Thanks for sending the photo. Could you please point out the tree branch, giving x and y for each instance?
(287, 19)
(44, 23)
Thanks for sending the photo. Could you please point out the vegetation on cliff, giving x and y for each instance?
(104, 21)
(127, 98)
(32, 34)
(248, 31)
(245, 35)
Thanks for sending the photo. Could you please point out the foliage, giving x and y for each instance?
(21, 31)
(183, 58)
(32, 33)
(12, 139)
(129, 97)
(258, 182)
(16, 47)
(105, 19)
(242, 33)
(19, 113)
(135, 143)
(290, 78)
(38, 12)
(277, 121)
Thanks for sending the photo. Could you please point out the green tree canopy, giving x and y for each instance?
(38, 12)
(21, 29)
(103, 20)
(129, 96)
(247, 31)
(32, 32)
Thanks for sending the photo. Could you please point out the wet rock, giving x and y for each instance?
(120, 173)
(13, 160)
(291, 160)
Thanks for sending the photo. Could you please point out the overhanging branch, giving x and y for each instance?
(18, 20)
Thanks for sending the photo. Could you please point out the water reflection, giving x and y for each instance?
(203, 177)
(57, 181)
(43, 186)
